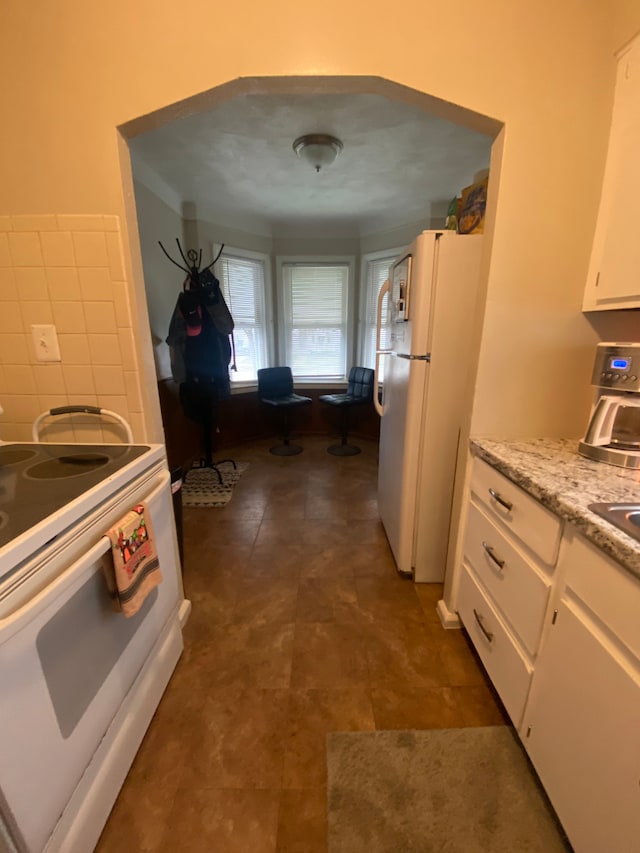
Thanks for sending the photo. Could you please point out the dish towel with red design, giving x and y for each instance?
(136, 570)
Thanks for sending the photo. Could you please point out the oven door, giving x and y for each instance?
(67, 661)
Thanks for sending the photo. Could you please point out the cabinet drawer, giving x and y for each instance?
(506, 665)
(538, 528)
(519, 590)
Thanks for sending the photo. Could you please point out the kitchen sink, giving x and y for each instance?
(624, 516)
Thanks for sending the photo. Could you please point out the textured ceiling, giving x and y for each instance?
(236, 164)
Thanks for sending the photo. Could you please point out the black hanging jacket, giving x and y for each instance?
(198, 338)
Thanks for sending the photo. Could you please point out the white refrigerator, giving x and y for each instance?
(430, 321)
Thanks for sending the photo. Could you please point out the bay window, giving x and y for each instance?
(315, 300)
(375, 271)
(245, 285)
(315, 326)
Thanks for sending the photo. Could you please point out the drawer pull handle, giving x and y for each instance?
(487, 634)
(500, 500)
(489, 549)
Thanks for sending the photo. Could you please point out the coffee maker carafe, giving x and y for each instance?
(613, 431)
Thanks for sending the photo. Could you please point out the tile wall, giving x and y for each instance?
(67, 271)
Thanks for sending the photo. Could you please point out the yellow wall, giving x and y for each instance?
(73, 71)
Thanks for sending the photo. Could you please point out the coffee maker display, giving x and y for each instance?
(613, 432)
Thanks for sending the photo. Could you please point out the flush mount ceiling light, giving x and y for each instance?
(318, 149)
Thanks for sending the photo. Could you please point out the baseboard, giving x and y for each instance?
(448, 618)
(184, 611)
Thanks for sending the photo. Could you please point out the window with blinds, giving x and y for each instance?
(244, 285)
(315, 300)
(375, 273)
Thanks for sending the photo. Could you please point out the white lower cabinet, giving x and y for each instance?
(582, 733)
(581, 725)
(556, 623)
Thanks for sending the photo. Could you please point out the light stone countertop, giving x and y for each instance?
(552, 471)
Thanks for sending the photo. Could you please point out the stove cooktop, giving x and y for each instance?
(37, 480)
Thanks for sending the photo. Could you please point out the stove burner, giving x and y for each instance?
(11, 455)
(67, 466)
(36, 492)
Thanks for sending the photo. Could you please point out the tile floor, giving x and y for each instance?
(300, 626)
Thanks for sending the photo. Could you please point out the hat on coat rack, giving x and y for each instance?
(189, 306)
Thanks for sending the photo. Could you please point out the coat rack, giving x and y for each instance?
(192, 261)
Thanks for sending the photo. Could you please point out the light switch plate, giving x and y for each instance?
(45, 342)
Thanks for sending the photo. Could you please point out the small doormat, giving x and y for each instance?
(202, 487)
(454, 790)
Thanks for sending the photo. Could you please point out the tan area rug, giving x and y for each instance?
(202, 486)
(442, 790)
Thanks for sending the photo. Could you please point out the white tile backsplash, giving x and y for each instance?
(68, 317)
(95, 284)
(19, 379)
(14, 349)
(57, 249)
(41, 222)
(127, 349)
(114, 251)
(67, 270)
(134, 396)
(105, 349)
(90, 248)
(35, 313)
(72, 222)
(49, 378)
(109, 380)
(24, 409)
(31, 284)
(121, 303)
(100, 318)
(8, 289)
(63, 284)
(74, 350)
(24, 248)
(78, 379)
(10, 318)
(5, 255)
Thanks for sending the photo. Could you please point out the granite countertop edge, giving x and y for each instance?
(552, 471)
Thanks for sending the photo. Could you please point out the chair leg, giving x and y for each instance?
(286, 448)
(344, 449)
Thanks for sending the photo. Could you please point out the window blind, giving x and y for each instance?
(243, 286)
(315, 300)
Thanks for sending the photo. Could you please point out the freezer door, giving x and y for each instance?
(412, 278)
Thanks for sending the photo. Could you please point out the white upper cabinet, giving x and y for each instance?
(614, 271)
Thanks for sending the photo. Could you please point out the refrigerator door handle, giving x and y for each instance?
(379, 407)
(425, 357)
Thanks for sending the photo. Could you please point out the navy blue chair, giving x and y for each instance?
(359, 393)
(275, 389)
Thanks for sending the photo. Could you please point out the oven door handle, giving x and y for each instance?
(16, 620)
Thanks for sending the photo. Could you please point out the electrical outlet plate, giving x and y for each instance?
(45, 342)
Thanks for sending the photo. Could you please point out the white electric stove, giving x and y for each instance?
(80, 681)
